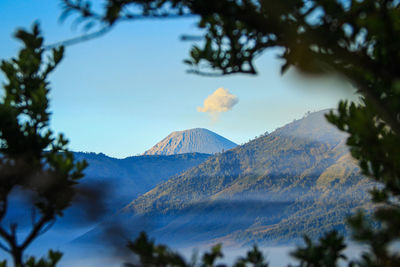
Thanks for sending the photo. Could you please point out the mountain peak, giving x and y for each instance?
(192, 140)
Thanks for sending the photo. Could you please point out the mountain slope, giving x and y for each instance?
(133, 176)
(108, 185)
(193, 140)
(298, 180)
(288, 158)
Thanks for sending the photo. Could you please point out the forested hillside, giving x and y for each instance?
(299, 179)
(129, 177)
(108, 185)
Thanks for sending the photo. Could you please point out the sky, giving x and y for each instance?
(122, 93)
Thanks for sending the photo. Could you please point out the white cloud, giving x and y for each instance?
(219, 101)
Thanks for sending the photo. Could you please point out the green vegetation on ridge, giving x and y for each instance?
(305, 166)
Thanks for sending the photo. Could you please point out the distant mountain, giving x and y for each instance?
(193, 140)
(108, 185)
(298, 180)
(132, 176)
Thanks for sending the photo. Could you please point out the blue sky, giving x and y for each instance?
(122, 93)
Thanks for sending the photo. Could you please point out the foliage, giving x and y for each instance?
(154, 255)
(253, 257)
(161, 256)
(326, 253)
(32, 158)
(53, 257)
(376, 146)
(51, 261)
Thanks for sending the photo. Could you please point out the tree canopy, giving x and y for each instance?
(358, 39)
(32, 158)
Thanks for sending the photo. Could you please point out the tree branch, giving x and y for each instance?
(35, 231)
(221, 74)
(79, 39)
(7, 236)
(5, 248)
(47, 227)
(4, 206)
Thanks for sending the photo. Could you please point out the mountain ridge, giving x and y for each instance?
(134, 175)
(299, 179)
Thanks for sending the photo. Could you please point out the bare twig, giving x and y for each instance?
(5, 248)
(7, 236)
(79, 39)
(47, 227)
(35, 231)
